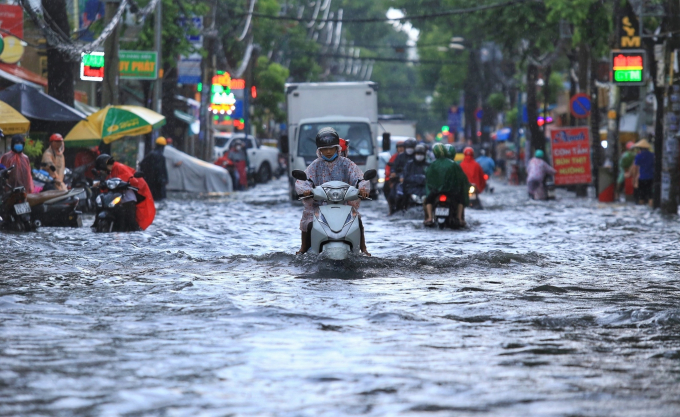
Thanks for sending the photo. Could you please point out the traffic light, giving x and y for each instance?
(445, 129)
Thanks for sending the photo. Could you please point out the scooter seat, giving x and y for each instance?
(41, 198)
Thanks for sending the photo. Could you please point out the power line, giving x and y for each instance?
(425, 16)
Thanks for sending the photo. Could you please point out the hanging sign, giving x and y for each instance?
(628, 67)
(138, 65)
(629, 29)
(92, 66)
(571, 155)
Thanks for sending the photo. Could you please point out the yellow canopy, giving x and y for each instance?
(11, 121)
(114, 122)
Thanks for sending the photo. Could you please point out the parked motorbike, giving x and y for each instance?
(117, 206)
(549, 184)
(14, 209)
(77, 179)
(56, 208)
(473, 194)
(445, 213)
(335, 229)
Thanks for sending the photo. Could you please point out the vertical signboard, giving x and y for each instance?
(628, 67)
(571, 155)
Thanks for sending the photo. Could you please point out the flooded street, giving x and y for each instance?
(563, 308)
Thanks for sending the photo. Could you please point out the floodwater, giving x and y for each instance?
(563, 308)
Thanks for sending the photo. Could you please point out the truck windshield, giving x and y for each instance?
(358, 134)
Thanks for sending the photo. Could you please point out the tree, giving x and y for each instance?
(60, 69)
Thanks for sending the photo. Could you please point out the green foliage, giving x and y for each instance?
(496, 101)
(33, 148)
(174, 36)
(511, 117)
(270, 79)
(556, 86)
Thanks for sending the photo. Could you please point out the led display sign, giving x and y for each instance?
(628, 67)
(92, 66)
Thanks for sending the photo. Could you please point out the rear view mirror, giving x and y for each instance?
(299, 175)
(370, 174)
(283, 144)
(139, 174)
(387, 142)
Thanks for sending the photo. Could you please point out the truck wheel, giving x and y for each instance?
(265, 173)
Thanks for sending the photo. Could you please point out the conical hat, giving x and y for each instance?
(643, 144)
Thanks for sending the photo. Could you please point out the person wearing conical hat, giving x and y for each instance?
(644, 173)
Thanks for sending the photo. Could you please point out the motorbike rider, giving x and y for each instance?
(145, 209)
(21, 175)
(473, 170)
(226, 163)
(398, 166)
(487, 164)
(155, 171)
(239, 156)
(537, 169)
(53, 161)
(446, 177)
(329, 166)
(413, 175)
(390, 177)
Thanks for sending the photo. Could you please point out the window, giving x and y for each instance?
(358, 134)
(221, 141)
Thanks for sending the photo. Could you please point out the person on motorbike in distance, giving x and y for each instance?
(53, 161)
(329, 166)
(145, 209)
(537, 170)
(21, 175)
(413, 175)
(446, 177)
(487, 164)
(450, 151)
(397, 190)
(344, 147)
(473, 170)
(390, 177)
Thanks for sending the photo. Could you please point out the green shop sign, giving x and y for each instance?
(138, 65)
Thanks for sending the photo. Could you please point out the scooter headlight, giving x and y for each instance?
(114, 202)
(472, 189)
(335, 195)
(99, 201)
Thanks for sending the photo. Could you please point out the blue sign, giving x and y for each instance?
(197, 23)
(238, 111)
(580, 106)
(454, 118)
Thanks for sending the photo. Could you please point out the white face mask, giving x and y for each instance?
(420, 157)
(409, 151)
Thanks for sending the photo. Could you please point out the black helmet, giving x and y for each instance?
(18, 139)
(326, 137)
(102, 161)
(410, 143)
(421, 149)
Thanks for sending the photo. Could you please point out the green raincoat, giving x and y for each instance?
(444, 175)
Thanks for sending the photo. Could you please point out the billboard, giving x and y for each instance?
(571, 155)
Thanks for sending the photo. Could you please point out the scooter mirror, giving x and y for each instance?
(370, 174)
(299, 175)
(139, 174)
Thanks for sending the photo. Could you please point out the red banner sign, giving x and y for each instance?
(12, 20)
(571, 155)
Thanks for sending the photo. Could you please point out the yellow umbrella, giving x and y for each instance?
(114, 122)
(11, 121)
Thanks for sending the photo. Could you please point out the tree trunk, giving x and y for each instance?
(60, 70)
(594, 120)
(537, 139)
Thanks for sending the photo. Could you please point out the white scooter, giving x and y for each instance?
(335, 231)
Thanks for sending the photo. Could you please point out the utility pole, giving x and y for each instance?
(208, 72)
(158, 45)
(247, 123)
(111, 63)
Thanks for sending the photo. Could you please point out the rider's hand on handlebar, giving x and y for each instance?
(363, 193)
(306, 193)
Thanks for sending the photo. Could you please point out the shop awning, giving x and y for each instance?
(20, 75)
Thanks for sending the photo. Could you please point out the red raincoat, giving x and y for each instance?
(21, 175)
(146, 211)
(474, 172)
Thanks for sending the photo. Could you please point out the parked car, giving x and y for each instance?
(263, 160)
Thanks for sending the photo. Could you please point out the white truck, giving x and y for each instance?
(263, 160)
(396, 127)
(351, 108)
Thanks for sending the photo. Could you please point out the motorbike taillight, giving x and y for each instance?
(442, 198)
